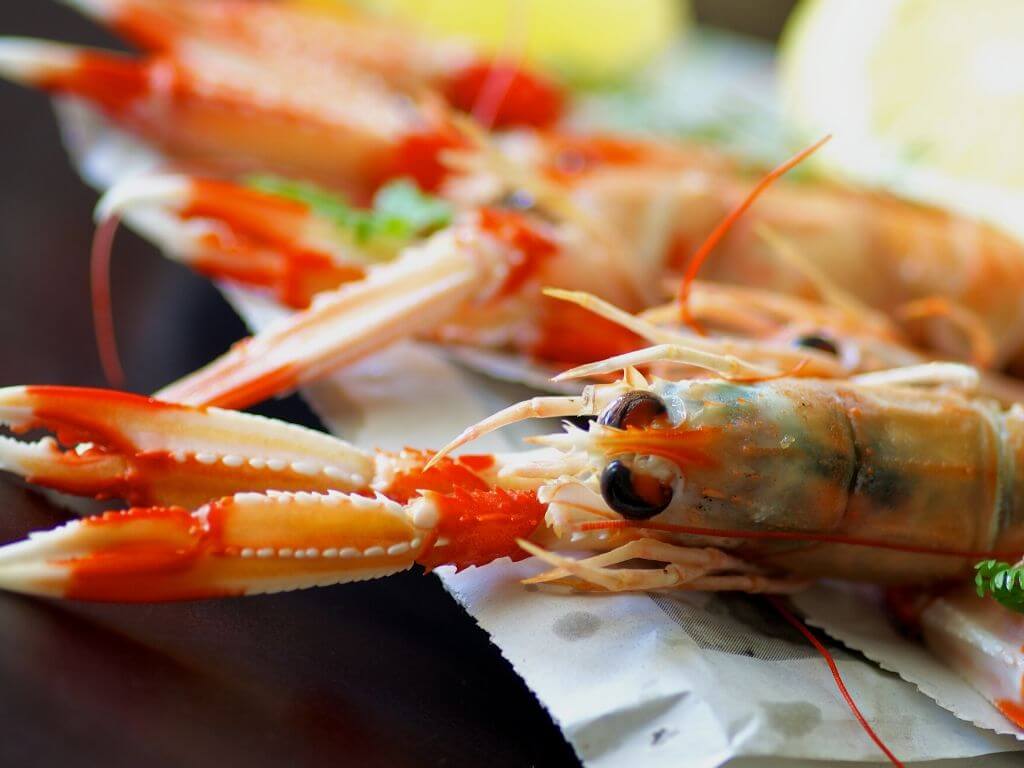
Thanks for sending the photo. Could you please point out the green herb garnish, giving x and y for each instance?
(1003, 581)
(400, 210)
(403, 201)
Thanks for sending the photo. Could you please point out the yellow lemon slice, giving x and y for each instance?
(591, 41)
(926, 95)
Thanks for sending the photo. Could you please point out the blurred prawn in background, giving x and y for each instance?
(923, 96)
(585, 41)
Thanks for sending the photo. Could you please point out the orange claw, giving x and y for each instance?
(253, 543)
(154, 453)
(277, 31)
(243, 544)
(424, 287)
(249, 543)
(252, 238)
(274, 506)
(232, 114)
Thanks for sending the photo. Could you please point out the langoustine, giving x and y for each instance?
(824, 469)
(653, 200)
(476, 284)
(758, 487)
(450, 288)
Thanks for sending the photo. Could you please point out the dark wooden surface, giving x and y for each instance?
(386, 673)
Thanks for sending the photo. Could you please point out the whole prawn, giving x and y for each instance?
(759, 487)
(476, 283)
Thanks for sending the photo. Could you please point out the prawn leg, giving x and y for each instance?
(685, 568)
(423, 288)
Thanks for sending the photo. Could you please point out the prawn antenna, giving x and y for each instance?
(800, 627)
(702, 253)
(102, 305)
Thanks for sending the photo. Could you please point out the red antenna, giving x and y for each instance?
(102, 306)
(820, 648)
(805, 536)
(720, 231)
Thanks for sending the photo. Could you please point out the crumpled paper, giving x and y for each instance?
(854, 615)
(669, 680)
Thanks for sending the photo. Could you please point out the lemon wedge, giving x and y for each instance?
(588, 41)
(926, 96)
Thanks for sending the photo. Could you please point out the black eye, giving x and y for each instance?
(816, 341)
(517, 200)
(633, 408)
(622, 495)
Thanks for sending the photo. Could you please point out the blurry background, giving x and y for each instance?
(748, 17)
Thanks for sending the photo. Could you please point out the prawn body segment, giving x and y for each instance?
(888, 253)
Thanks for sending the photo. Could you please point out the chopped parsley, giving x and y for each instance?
(400, 212)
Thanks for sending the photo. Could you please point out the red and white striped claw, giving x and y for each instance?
(249, 543)
(243, 544)
(231, 232)
(273, 31)
(147, 452)
(424, 287)
(233, 114)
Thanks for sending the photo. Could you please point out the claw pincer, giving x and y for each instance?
(210, 109)
(230, 503)
(242, 544)
(150, 452)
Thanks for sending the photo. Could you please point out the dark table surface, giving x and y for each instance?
(389, 673)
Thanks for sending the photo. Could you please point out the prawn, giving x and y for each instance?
(759, 487)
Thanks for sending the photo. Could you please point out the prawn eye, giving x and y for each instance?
(819, 342)
(637, 498)
(636, 408)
